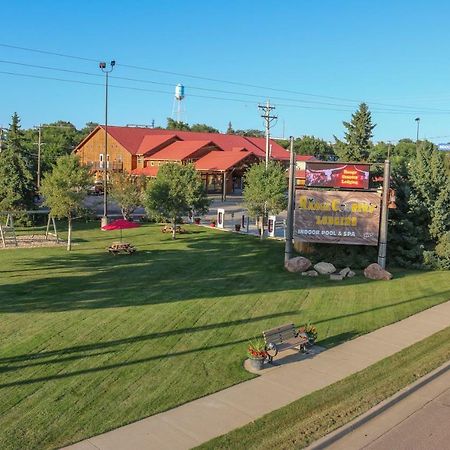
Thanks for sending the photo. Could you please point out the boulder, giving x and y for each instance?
(297, 264)
(351, 274)
(336, 276)
(376, 272)
(345, 272)
(310, 273)
(325, 268)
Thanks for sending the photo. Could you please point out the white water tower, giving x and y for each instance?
(178, 106)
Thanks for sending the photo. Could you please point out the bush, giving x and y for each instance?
(354, 256)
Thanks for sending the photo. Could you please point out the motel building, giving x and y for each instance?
(220, 159)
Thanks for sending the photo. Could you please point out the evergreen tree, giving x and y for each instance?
(430, 198)
(16, 180)
(357, 141)
(230, 128)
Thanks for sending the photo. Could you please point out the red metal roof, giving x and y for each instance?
(305, 158)
(151, 142)
(136, 140)
(181, 150)
(147, 171)
(220, 161)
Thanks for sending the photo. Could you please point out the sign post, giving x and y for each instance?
(382, 248)
(288, 246)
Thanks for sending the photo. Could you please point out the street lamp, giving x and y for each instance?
(106, 70)
(417, 119)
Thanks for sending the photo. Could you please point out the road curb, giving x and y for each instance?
(378, 409)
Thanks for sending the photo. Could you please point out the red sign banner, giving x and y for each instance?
(337, 175)
(337, 217)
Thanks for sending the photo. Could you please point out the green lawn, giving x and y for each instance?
(304, 421)
(89, 341)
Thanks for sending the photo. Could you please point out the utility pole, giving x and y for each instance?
(268, 118)
(39, 144)
(288, 250)
(417, 120)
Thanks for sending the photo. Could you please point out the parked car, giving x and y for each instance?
(96, 188)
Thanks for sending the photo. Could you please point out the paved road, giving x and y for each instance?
(418, 418)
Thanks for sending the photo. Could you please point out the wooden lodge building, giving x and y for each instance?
(221, 159)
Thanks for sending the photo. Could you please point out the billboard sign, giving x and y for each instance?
(337, 175)
(337, 217)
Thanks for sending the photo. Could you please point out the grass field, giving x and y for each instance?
(89, 341)
(302, 422)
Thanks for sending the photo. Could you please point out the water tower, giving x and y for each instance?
(178, 106)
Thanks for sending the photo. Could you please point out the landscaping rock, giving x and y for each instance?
(325, 268)
(351, 274)
(376, 272)
(310, 273)
(345, 272)
(297, 264)
(336, 276)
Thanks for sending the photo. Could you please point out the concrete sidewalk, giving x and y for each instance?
(198, 421)
(417, 417)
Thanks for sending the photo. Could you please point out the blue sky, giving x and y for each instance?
(390, 54)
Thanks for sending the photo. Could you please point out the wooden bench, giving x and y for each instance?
(282, 338)
(121, 247)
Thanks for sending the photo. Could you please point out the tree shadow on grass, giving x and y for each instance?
(196, 266)
(140, 338)
(118, 365)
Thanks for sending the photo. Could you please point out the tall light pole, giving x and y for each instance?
(417, 119)
(106, 70)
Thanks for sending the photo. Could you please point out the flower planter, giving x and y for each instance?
(256, 363)
(237, 227)
(197, 220)
(213, 224)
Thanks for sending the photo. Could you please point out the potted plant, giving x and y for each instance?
(197, 220)
(237, 227)
(310, 331)
(256, 352)
(213, 223)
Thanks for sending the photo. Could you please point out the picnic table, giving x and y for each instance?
(121, 247)
(169, 229)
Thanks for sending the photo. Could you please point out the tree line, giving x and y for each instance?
(419, 228)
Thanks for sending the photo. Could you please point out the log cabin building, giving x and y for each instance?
(221, 159)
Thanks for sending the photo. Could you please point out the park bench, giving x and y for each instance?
(282, 338)
(121, 247)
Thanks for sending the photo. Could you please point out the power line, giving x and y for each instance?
(416, 110)
(236, 83)
(88, 83)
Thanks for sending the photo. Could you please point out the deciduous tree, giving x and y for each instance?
(265, 190)
(127, 192)
(64, 189)
(177, 190)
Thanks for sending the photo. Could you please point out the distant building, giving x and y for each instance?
(221, 159)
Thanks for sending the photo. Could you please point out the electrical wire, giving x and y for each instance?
(211, 79)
